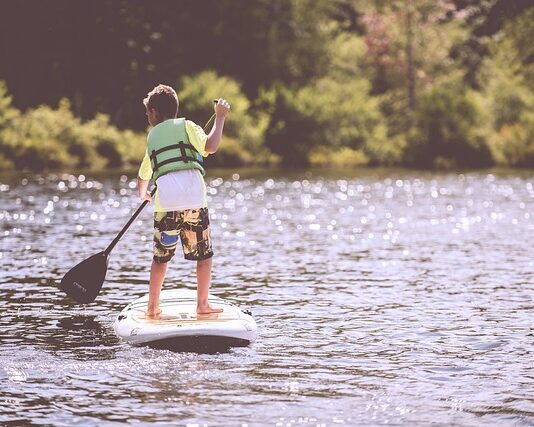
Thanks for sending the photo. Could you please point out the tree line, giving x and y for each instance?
(415, 83)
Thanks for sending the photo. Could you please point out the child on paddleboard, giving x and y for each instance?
(173, 160)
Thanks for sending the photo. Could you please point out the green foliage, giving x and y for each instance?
(507, 82)
(343, 112)
(447, 130)
(45, 138)
(7, 115)
(387, 151)
(7, 112)
(196, 94)
(39, 138)
(118, 148)
(334, 111)
(288, 130)
(504, 87)
(521, 33)
(341, 157)
(513, 145)
(230, 154)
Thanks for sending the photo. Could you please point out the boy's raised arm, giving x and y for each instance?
(222, 108)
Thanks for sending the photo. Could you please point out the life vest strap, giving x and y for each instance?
(183, 155)
(175, 159)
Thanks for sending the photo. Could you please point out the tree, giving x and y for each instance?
(409, 43)
(485, 19)
(334, 111)
(506, 78)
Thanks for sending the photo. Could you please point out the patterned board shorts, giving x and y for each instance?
(192, 226)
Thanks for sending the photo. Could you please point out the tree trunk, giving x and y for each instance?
(409, 55)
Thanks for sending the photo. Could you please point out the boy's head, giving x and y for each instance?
(161, 103)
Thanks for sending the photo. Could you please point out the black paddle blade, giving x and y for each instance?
(84, 281)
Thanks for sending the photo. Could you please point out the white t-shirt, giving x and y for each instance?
(180, 190)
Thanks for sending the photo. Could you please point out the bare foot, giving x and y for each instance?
(152, 314)
(208, 309)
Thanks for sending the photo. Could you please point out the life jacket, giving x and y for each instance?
(169, 149)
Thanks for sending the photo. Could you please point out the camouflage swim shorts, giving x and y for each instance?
(192, 226)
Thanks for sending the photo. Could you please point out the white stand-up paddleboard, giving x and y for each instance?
(179, 325)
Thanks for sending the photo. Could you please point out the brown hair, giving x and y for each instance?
(164, 100)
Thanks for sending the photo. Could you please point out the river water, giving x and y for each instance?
(381, 297)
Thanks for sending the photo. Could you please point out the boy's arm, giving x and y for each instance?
(143, 178)
(222, 108)
(142, 189)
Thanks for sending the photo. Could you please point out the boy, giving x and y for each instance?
(173, 161)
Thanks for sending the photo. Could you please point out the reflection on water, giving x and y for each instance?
(381, 297)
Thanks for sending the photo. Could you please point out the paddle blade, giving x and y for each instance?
(84, 281)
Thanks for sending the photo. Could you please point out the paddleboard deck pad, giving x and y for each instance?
(180, 327)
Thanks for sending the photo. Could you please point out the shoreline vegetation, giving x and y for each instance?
(430, 85)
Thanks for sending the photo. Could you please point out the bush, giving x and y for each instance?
(386, 151)
(39, 139)
(229, 154)
(289, 130)
(342, 157)
(446, 133)
(44, 138)
(513, 145)
(335, 111)
(118, 148)
(327, 113)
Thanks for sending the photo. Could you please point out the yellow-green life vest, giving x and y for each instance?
(170, 150)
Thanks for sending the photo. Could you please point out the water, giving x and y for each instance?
(381, 297)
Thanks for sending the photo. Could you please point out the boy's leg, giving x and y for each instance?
(166, 236)
(157, 275)
(196, 244)
(203, 287)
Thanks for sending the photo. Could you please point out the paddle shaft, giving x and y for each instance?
(121, 233)
(211, 118)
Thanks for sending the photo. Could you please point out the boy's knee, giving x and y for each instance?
(204, 262)
(160, 261)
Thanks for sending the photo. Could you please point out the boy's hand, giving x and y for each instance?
(222, 108)
(146, 196)
(142, 190)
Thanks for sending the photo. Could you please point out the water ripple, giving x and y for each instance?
(382, 297)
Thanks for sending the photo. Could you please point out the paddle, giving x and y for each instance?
(83, 282)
